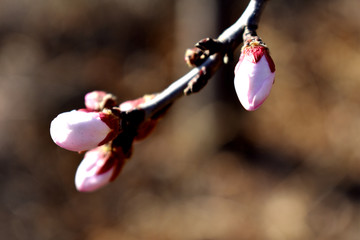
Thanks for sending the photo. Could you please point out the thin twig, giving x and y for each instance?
(231, 38)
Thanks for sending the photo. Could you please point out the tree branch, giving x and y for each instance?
(231, 38)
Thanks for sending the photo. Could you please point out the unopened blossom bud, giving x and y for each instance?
(80, 130)
(254, 75)
(98, 100)
(96, 169)
(194, 57)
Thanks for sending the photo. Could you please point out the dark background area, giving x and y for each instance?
(210, 170)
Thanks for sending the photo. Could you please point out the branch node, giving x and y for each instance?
(197, 82)
(212, 45)
(195, 57)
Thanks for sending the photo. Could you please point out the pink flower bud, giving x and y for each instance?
(96, 169)
(99, 167)
(254, 76)
(98, 100)
(80, 131)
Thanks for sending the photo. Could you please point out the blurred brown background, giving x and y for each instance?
(211, 170)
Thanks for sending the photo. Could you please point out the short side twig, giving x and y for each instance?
(231, 38)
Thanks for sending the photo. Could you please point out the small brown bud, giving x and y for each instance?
(195, 57)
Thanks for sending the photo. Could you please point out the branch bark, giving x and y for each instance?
(231, 38)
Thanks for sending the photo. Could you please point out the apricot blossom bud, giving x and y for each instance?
(95, 170)
(254, 75)
(81, 130)
(98, 100)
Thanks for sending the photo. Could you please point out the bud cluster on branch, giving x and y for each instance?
(107, 130)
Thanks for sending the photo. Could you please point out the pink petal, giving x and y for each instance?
(78, 130)
(88, 178)
(253, 82)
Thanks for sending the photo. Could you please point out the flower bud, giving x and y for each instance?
(98, 100)
(80, 130)
(194, 57)
(96, 169)
(254, 76)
